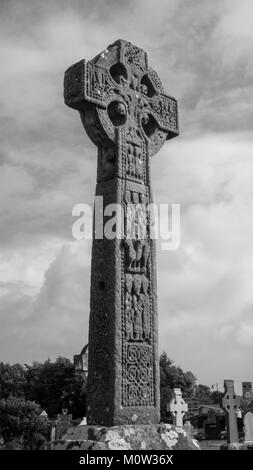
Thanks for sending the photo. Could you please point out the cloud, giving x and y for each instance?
(205, 288)
(53, 320)
(245, 334)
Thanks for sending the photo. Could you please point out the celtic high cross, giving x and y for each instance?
(128, 116)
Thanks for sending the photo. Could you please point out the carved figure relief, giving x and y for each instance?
(137, 311)
(137, 255)
(99, 82)
(134, 161)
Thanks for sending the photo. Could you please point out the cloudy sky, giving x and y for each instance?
(203, 52)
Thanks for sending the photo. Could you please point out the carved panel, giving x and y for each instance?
(138, 377)
(98, 84)
(133, 155)
(164, 108)
(137, 309)
(134, 57)
(137, 313)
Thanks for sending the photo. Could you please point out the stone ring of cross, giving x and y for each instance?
(118, 92)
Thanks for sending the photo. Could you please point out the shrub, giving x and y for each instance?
(21, 424)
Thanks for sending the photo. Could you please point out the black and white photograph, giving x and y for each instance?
(126, 241)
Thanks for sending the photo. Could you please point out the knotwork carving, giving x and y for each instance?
(135, 57)
(137, 386)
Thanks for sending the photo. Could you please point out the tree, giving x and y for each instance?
(172, 376)
(12, 380)
(217, 397)
(56, 385)
(204, 394)
(21, 424)
(246, 405)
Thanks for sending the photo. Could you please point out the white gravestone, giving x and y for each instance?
(189, 429)
(248, 428)
(177, 407)
(83, 422)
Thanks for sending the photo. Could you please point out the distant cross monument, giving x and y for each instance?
(128, 116)
(230, 403)
(178, 407)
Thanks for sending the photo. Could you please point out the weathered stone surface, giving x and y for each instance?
(128, 116)
(137, 437)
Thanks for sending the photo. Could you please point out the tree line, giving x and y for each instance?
(27, 390)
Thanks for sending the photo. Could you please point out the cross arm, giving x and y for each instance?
(164, 109)
(86, 82)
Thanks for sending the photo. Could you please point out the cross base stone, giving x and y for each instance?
(126, 437)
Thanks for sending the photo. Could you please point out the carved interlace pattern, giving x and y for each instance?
(138, 387)
(134, 56)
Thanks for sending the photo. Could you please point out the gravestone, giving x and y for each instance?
(189, 429)
(83, 422)
(248, 428)
(128, 116)
(247, 392)
(177, 407)
(230, 404)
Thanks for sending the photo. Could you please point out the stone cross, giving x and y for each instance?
(177, 407)
(128, 116)
(230, 404)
